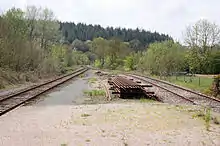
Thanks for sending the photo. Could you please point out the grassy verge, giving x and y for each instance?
(201, 84)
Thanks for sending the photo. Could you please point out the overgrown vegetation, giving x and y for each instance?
(29, 45)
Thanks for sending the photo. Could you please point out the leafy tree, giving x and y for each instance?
(135, 45)
(47, 28)
(163, 58)
(32, 15)
(201, 40)
(100, 46)
(214, 60)
(80, 46)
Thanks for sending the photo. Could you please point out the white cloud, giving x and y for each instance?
(166, 16)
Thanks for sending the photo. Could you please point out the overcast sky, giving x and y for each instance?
(164, 16)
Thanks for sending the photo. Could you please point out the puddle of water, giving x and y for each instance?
(69, 95)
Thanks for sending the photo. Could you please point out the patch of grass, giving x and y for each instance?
(95, 92)
(85, 115)
(63, 144)
(92, 80)
(191, 82)
(145, 100)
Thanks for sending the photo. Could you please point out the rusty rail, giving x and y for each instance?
(125, 87)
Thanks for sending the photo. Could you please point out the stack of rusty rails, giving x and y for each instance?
(126, 88)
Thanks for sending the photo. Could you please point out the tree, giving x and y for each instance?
(132, 61)
(100, 46)
(214, 60)
(48, 28)
(135, 45)
(203, 35)
(80, 46)
(14, 40)
(32, 15)
(201, 39)
(163, 58)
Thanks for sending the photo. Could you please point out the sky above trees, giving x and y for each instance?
(165, 16)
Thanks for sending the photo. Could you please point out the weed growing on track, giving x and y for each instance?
(95, 92)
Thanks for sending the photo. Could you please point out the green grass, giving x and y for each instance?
(95, 92)
(92, 80)
(192, 82)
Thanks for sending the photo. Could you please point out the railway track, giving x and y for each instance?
(11, 101)
(168, 92)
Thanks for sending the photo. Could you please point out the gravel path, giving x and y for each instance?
(107, 124)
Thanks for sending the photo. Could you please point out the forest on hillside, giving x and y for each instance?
(34, 44)
(138, 39)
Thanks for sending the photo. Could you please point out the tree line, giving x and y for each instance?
(138, 39)
(200, 53)
(34, 43)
